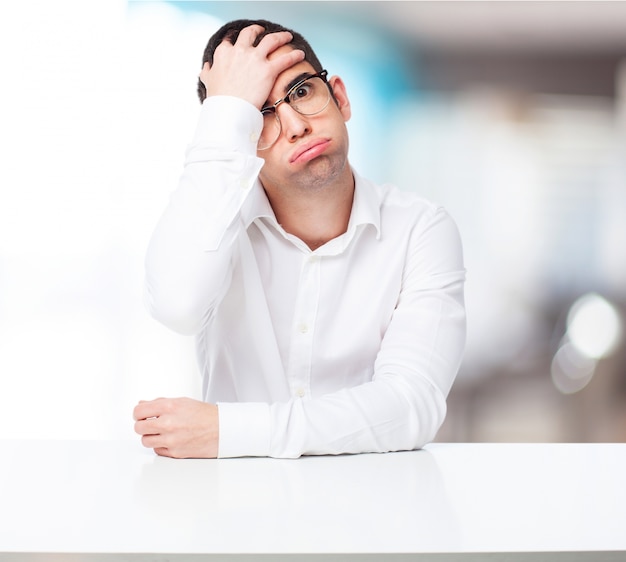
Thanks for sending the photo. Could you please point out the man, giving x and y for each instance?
(328, 311)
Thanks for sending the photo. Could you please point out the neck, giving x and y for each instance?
(316, 216)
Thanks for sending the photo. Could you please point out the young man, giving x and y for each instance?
(328, 311)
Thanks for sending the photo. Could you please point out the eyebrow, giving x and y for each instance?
(299, 78)
(291, 84)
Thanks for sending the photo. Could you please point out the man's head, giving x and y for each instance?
(261, 62)
(230, 32)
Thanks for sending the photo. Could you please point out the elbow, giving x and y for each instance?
(425, 411)
(428, 417)
(430, 429)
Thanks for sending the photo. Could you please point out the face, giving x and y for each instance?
(312, 150)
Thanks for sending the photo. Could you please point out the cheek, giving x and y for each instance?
(273, 158)
(268, 170)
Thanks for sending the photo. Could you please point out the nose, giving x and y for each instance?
(294, 125)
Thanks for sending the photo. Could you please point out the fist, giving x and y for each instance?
(178, 427)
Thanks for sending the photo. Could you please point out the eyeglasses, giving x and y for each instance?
(309, 96)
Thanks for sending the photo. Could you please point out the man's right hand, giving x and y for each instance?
(245, 71)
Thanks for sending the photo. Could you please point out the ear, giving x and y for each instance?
(339, 89)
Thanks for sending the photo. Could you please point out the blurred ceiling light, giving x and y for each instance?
(594, 326)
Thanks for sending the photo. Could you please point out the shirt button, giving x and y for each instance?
(254, 138)
(303, 328)
(300, 392)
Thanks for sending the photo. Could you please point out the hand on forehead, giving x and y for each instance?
(244, 70)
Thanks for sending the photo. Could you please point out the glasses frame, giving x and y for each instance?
(272, 108)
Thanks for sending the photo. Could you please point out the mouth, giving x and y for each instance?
(309, 151)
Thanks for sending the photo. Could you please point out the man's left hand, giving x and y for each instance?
(178, 427)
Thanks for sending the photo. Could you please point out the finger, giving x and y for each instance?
(138, 411)
(147, 427)
(272, 41)
(163, 452)
(287, 60)
(148, 409)
(248, 35)
(152, 441)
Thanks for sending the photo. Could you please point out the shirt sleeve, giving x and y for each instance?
(404, 405)
(188, 258)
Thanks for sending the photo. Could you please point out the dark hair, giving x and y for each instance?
(230, 32)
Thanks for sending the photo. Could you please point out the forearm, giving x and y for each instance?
(377, 417)
(374, 417)
(189, 256)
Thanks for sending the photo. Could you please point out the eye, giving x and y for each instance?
(301, 92)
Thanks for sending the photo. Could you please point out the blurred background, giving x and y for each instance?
(510, 114)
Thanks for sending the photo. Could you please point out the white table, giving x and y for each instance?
(102, 501)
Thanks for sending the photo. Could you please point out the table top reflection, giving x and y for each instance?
(74, 500)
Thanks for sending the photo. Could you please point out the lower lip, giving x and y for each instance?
(311, 153)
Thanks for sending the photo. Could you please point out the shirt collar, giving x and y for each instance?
(365, 207)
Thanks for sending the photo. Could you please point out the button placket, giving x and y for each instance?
(301, 348)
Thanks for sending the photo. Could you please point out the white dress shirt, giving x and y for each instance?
(349, 348)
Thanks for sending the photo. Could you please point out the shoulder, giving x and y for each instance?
(405, 219)
(425, 232)
(392, 197)
(396, 205)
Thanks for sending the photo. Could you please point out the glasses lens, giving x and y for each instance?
(270, 132)
(307, 98)
(310, 97)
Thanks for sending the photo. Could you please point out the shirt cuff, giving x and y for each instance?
(230, 123)
(244, 429)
